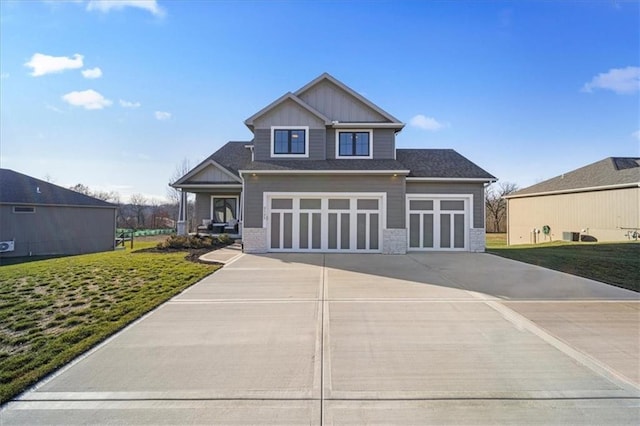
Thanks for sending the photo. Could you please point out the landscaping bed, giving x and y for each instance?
(53, 310)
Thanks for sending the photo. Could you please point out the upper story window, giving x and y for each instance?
(289, 141)
(354, 144)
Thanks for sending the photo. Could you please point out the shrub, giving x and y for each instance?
(224, 239)
(187, 242)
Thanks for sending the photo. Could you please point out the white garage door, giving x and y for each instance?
(324, 222)
(438, 223)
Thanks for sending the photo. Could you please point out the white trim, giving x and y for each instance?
(306, 141)
(324, 211)
(571, 191)
(353, 157)
(468, 220)
(445, 179)
(325, 172)
(209, 186)
(201, 167)
(372, 125)
(219, 196)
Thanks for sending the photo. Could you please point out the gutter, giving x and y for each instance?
(576, 190)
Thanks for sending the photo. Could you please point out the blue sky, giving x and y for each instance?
(115, 95)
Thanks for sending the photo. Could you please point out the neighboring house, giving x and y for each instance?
(40, 218)
(322, 173)
(598, 202)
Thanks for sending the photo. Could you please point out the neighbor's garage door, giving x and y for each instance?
(324, 222)
(438, 223)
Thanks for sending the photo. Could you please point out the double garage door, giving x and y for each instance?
(324, 222)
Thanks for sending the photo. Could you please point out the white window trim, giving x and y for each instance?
(468, 212)
(306, 142)
(353, 157)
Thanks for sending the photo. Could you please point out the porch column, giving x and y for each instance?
(182, 213)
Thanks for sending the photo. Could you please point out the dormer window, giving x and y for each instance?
(354, 144)
(290, 141)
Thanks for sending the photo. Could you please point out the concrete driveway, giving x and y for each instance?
(362, 339)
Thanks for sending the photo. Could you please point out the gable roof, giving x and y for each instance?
(606, 173)
(350, 91)
(286, 97)
(17, 188)
(232, 157)
(440, 163)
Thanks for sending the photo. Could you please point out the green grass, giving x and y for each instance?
(612, 263)
(53, 310)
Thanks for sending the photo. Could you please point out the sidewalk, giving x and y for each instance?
(223, 255)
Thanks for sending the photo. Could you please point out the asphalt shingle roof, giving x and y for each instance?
(22, 189)
(607, 172)
(440, 163)
(433, 163)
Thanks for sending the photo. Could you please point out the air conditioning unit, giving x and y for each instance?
(7, 246)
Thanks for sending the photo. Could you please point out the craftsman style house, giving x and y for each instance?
(323, 174)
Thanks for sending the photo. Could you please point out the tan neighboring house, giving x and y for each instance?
(598, 202)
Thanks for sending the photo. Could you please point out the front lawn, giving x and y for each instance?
(53, 310)
(612, 263)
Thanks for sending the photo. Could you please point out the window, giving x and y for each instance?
(290, 142)
(23, 209)
(224, 209)
(354, 144)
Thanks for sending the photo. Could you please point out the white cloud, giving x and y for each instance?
(92, 73)
(636, 134)
(620, 80)
(45, 64)
(106, 6)
(128, 104)
(54, 109)
(162, 115)
(88, 99)
(427, 123)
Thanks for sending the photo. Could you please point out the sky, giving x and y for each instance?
(117, 94)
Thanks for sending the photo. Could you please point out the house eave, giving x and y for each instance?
(446, 179)
(576, 190)
(208, 186)
(82, 206)
(325, 172)
(372, 125)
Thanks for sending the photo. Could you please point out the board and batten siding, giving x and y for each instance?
(384, 144)
(477, 189)
(58, 230)
(256, 186)
(210, 174)
(262, 145)
(288, 113)
(600, 213)
(336, 104)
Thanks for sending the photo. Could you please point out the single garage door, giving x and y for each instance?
(438, 223)
(321, 222)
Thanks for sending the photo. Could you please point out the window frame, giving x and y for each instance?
(290, 155)
(354, 157)
(223, 197)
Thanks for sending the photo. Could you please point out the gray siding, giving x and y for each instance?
(336, 104)
(384, 144)
(289, 113)
(477, 189)
(210, 173)
(256, 186)
(54, 230)
(262, 144)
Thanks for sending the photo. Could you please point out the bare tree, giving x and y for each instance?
(181, 169)
(496, 205)
(138, 205)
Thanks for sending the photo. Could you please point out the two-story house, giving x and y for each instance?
(323, 174)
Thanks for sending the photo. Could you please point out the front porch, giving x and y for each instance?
(214, 213)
